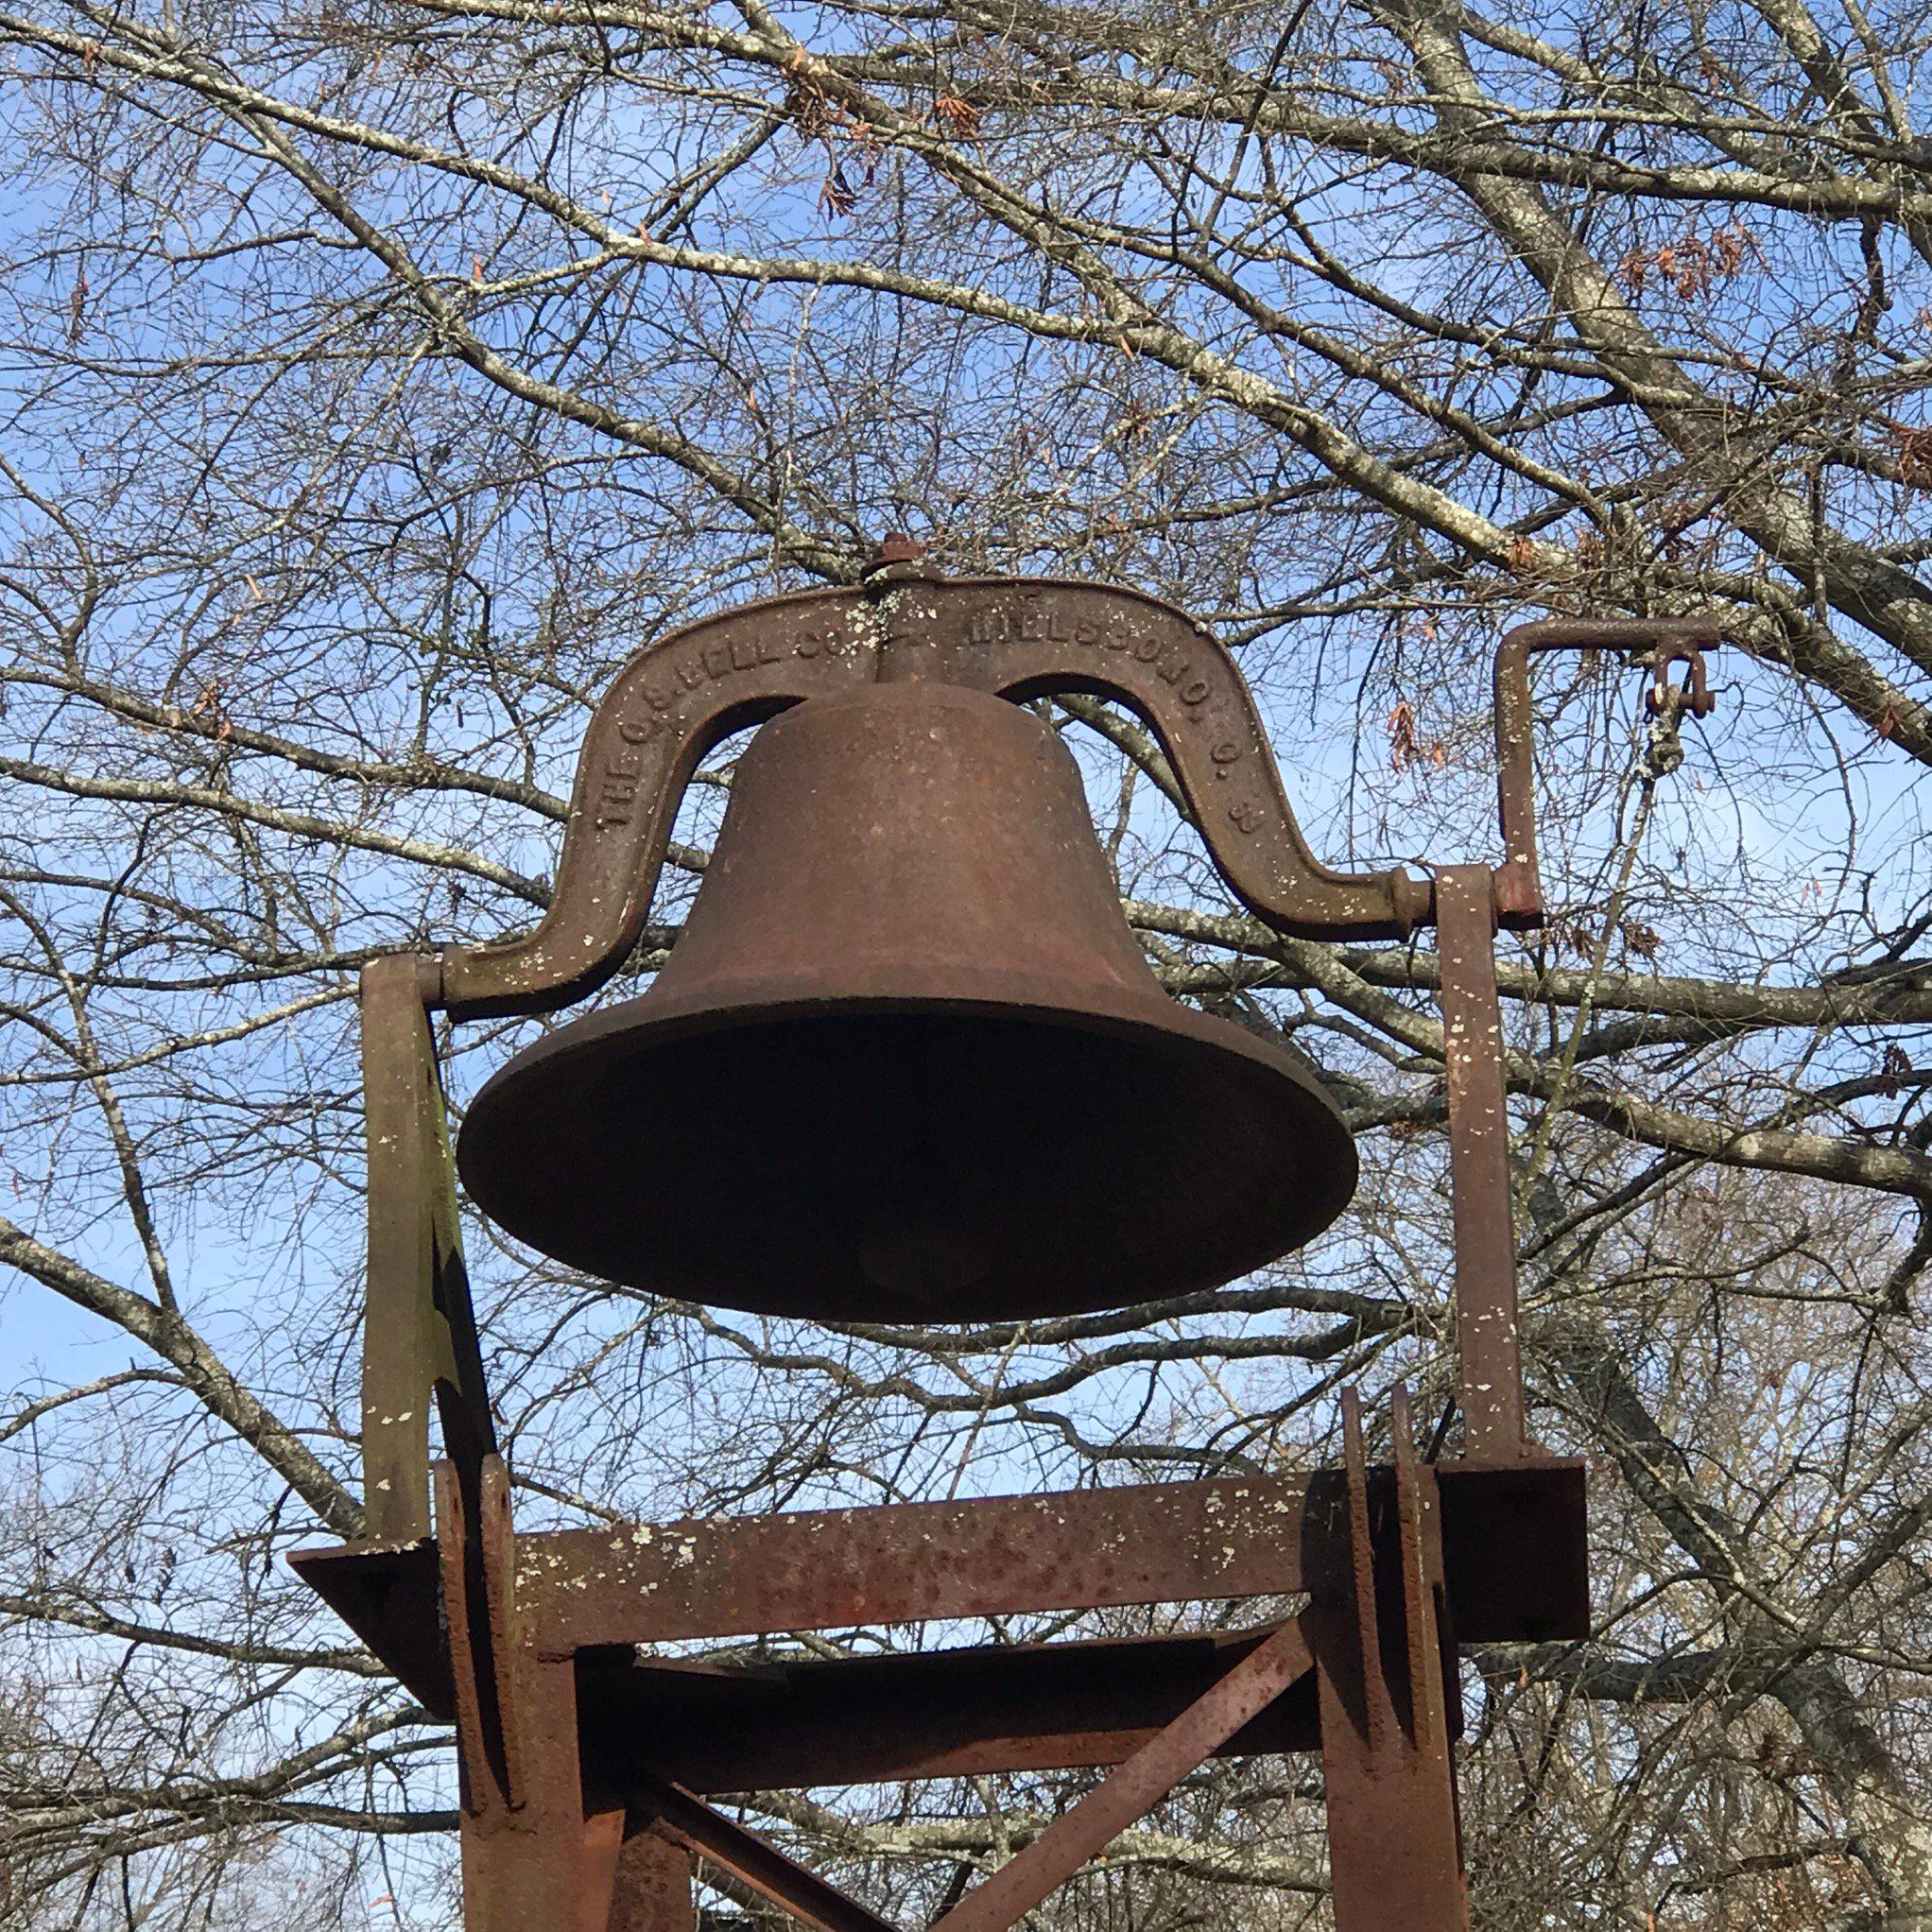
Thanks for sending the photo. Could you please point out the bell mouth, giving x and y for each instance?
(907, 1159)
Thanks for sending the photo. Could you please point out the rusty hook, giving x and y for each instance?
(1669, 640)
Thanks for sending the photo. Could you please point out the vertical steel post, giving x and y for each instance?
(1492, 1366)
(418, 1342)
(653, 1891)
(1395, 1839)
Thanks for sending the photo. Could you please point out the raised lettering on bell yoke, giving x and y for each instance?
(1047, 620)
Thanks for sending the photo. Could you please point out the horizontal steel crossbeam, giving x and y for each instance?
(823, 1569)
(806, 1722)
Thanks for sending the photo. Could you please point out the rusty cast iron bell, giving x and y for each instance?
(907, 1061)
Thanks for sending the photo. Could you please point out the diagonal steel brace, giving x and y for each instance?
(1134, 1787)
(686, 1820)
(1073, 1839)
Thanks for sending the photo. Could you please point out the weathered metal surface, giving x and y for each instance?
(653, 1887)
(475, 1549)
(689, 1821)
(1516, 1550)
(539, 1847)
(1519, 879)
(419, 1333)
(550, 1864)
(899, 559)
(717, 1577)
(953, 1081)
(1029, 638)
(1486, 1311)
(1134, 1787)
(1394, 1843)
(390, 1596)
(933, 1714)
(1694, 695)
(939, 923)
(1017, 638)
(1431, 1662)
(1513, 1541)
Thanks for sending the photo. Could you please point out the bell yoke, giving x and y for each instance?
(907, 1063)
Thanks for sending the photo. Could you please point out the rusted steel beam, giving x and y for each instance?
(550, 1864)
(653, 1888)
(540, 1849)
(475, 1548)
(935, 1714)
(689, 1821)
(1133, 1789)
(1394, 1842)
(418, 1332)
(1491, 1513)
(404, 1348)
(1431, 1659)
(1486, 1315)
(719, 1577)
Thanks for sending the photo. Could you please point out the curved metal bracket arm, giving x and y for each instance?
(1019, 638)
(672, 703)
(1027, 638)
(1519, 879)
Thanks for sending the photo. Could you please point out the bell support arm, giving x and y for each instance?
(1027, 638)
(1519, 879)
(1023, 638)
(669, 705)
